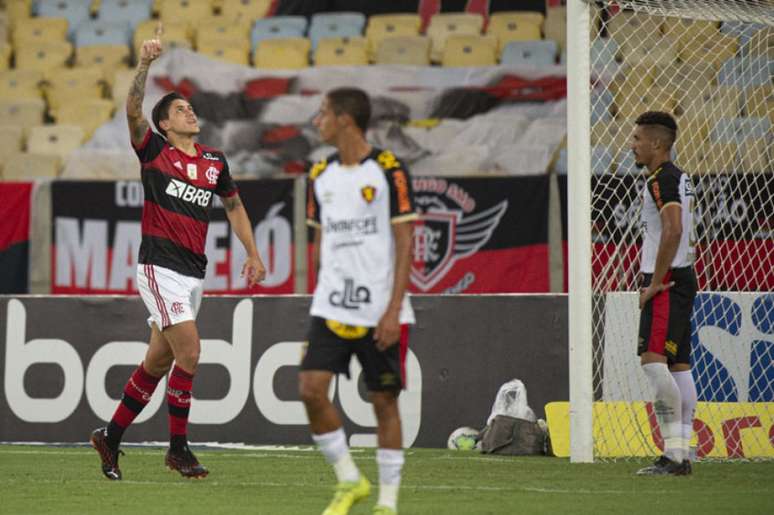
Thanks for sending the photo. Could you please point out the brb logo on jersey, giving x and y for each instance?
(448, 229)
(188, 192)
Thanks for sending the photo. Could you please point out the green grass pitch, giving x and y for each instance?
(42, 479)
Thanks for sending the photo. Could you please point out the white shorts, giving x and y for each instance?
(170, 297)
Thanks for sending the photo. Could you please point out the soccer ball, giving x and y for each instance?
(463, 439)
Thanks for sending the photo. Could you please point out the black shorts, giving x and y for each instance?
(665, 321)
(382, 370)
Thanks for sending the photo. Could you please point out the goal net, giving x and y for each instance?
(710, 63)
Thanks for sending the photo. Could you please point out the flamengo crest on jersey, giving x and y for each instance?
(666, 185)
(354, 207)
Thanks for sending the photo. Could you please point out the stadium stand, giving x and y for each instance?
(341, 51)
(405, 50)
(282, 53)
(469, 51)
(25, 166)
(56, 140)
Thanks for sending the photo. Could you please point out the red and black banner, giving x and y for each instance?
(96, 238)
(15, 236)
(733, 222)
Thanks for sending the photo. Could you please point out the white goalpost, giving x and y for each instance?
(711, 64)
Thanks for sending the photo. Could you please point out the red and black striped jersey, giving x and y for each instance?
(178, 197)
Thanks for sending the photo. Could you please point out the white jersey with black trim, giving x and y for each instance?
(666, 185)
(354, 207)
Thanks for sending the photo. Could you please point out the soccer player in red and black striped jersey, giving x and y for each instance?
(179, 177)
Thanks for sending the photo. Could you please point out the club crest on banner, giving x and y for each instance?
(449, 229)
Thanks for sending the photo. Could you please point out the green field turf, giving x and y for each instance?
(36, 479)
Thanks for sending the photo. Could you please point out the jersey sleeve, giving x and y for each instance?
(226, 187)
(151, 146)
(312, 206)
(664, 189)
(402, 208)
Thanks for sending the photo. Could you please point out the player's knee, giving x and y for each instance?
(311, 393)
(385, 405)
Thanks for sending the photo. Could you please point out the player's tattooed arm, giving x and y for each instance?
(231, 203)
(149, 52)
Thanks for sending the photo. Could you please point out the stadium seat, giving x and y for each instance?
(74, 11)
(753, 127)
(714, 51)
(689, 80)
(73, 84)
(355, 19)
(96, 32)
(555, 25)
(743, 31)
(220, 31)
(627, 25)
(660, 51)
(282, 53)
(755, 156)
(11, 141)
(226, 51)
(529, 53)
(131, 12)
(605, 56)
(601, 105)
(469, 51)
(404, 50)
(88, 114)
(341, 52)
(601, 160)
(244, 10)
(630, 104)
(21, 84)
(39, 30)
(318, 31)
(714, 103)
(761, 43)
(176, 35)
(57, 140)
(122, 83)
(687, 30)
(18, 10)
(107, 57)
(501, 19)
(277, 27)
(25, 166)
(46, 57)
(190, 12)
(382, 26)
(624, 163)
(692, 131)
(507, 29)
(746, 71)
(714, 158)
(5, 56)
(443, 25)
(759, 102)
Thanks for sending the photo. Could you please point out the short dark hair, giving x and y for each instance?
(351, 101)
(663, 122)
(161, 110)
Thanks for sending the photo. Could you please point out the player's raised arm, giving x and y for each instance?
(149, 52)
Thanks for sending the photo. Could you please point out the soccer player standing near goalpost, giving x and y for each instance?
(179, 177)
(666, 300)
(360, 203)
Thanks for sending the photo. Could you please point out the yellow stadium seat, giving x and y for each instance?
(713, 104)
(45, 57)
(755, 156)
(504, 18)
(11, 141)
(686, 30)
(688, 80)
(381, 26)
(443, 25)
(57, 140)
(759, 102)
(225, 51)
(555, 25)
(405, 50)
(88, 114)
(282, 53)
(613, 134)
(25, 166)
(39, 30)
(632, 78)
(507, 30)
(73, 84)
(191, 11)
(25, 113)
(692, 130)
(18, 10)
(660, 51)
(5, 56)
(711, 158)
(341, 52)
(628, 25)
(176, 34)
(5, 27)
(106, 57)
(122, 83)
(17, 84)
(220, 31)
(247, 10)
(630, 104)
(715, 50)
(470, 51)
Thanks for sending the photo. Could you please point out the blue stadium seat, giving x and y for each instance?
(625, 163)
(332, 30)
(341, 18)
(277, 27)
(96, 32)
(530, 53)
(601, 100)
(724, 131)
(605, 56)
(746, 71)
(741, 30)
(74, 11)
(130, 11)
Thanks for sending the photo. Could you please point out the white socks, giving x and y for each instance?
(687, 388)
(390, 464)
(334, 447)
(668, 408)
